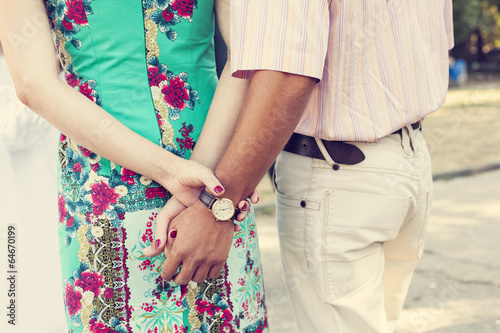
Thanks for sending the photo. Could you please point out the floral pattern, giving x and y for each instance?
(107, 213)
(166, 14)
(69, 16)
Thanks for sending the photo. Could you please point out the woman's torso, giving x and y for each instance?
(148, 63)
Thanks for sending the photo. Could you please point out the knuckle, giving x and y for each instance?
(181, 281)
(198, 279)
(165, 277)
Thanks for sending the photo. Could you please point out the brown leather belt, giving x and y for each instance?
(340, 152)
(415, 126)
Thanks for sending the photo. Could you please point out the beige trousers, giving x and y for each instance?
(350, 238)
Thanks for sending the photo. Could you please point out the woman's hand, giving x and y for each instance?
(189, 179)
(173, 208)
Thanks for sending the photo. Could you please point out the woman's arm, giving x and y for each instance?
(226, 104)
(215, 135)
(29, 49)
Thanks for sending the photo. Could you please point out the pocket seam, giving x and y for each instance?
(295, 203)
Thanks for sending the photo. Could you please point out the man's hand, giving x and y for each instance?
(201, 245)
(173, 208)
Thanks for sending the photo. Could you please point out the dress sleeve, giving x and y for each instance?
(282, 35)
(448, 21)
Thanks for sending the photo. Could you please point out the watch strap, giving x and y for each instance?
(207, 199)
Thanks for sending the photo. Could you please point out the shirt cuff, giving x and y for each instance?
(299, 62)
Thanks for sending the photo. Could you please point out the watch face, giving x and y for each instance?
(223, 209)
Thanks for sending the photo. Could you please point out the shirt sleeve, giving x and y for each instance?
(282, 35)
(448, 21)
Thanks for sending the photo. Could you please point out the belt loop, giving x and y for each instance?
(411, 135)
(406, 140)
(323, 150)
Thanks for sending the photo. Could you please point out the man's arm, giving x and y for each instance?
(272, 109)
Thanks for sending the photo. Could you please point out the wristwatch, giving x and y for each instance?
(222, 209)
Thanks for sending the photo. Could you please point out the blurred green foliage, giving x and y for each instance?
(473, 17)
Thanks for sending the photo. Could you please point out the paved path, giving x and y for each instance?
(456, 287)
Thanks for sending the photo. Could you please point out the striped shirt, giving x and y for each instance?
(381, 64)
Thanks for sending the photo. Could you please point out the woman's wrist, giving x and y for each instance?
(166, 167)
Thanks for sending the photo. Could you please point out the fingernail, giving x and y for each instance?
(173, 233)
(157, 244)
(245, 206)
(218, 189)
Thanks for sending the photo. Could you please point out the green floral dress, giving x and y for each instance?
(150, 64)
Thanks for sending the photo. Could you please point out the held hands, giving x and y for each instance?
(191, 237)
(186, 183)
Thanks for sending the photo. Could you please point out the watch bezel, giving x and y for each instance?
(218, 202)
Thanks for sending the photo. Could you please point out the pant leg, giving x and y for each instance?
(403, 253)
(333, 226)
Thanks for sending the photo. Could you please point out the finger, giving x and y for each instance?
(215, 271)
(201, 273)
(167, 214)
(186, 273)
(172, 234)
(243, 205)
(241, 216)
(211, 182)
(254, 197)
(237, 227)
(169, 268)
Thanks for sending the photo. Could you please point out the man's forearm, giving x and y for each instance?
(273, 107)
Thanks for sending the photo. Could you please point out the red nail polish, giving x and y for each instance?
(218, 190)
(173, 233)
(157, 244)
(245, 206)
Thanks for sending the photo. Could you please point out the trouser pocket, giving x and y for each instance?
(355, 227)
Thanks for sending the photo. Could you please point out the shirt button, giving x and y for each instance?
(303, 204)
(336, 167)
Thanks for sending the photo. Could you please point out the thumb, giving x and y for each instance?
(167, 214)
(211, 182)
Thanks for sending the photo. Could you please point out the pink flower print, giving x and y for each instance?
(108, 293)
(98, 327)
(147, 236)
(92, 218)
(147, 307)
(127, 176)
(63, 211)
(86, 90)
(72, 80)
(175, 93)
(85, 151)
(72, 300)
(155, 76)
(76, 12)
(160, 121)
(102, 197)
(91, 281)
(167, 16)
(70, 221)
(67, 25)
(238, 242)
(227, 315)
(77, 167)
(183, 7)
(153, 192)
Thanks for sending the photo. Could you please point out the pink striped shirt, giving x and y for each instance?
(382, 64)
